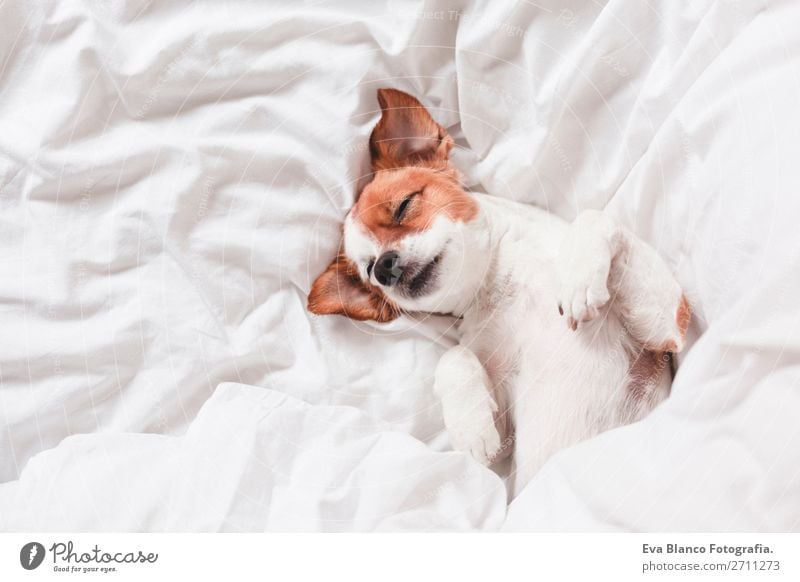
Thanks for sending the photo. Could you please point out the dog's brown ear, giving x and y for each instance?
(406, 134)
(339, 290)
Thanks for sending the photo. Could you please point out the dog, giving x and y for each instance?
(565, 330)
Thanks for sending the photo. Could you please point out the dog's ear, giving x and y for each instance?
(339, 290)
(406, 134)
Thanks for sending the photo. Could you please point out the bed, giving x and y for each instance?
(173, 176)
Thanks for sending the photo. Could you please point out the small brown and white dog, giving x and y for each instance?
(564, 329)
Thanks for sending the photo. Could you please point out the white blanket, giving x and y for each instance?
(173, 177)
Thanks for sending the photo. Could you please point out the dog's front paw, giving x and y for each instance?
(583, 267)
(472, 430)
(468, 405)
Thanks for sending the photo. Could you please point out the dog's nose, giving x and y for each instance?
(387, 269)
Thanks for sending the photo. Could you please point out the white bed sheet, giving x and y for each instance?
(174, 176)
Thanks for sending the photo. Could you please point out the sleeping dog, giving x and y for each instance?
(565, 329)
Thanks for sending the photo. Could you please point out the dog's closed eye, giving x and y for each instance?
(402, 208)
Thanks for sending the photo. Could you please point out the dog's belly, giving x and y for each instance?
(562, 386)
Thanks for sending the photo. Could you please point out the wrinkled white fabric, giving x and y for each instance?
(173, 177)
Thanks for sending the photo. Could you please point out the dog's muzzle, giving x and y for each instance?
(387, 269)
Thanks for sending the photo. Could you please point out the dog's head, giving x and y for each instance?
(406, 237)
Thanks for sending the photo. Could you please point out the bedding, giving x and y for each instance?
(173, 176)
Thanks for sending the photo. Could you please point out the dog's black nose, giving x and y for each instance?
(387, 269)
